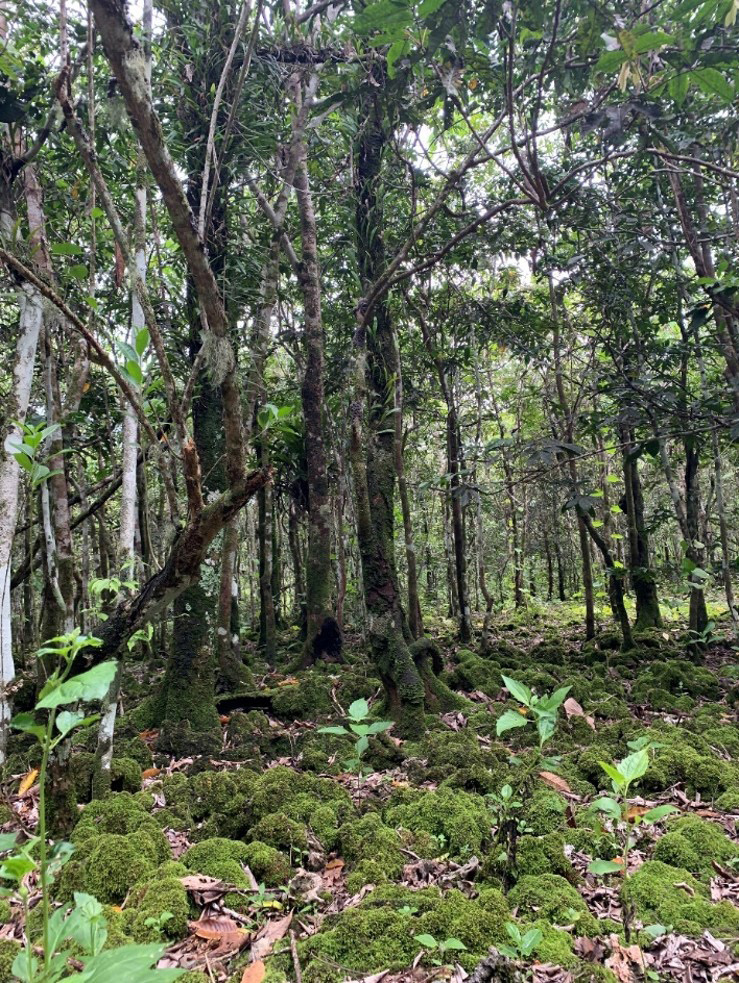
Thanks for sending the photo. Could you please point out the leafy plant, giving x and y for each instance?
(26, 451)
(522, 945)
(358, 713)
(82, 922)
(626, 816)
(436, 951)
(540, 710)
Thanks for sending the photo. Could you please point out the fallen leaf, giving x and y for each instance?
(634, 812)
(150, 772)
(214, 927)
(28, 781)
(254, 973)
(148, 735)
(290, 681)
(224, 718)
(573, 709)
(268, 934)
(555, 781)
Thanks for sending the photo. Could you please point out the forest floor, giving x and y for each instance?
(271, 860)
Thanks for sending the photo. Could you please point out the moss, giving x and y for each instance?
(654, 893)
(364, 940)
(461, 818)
(324, 821)
(543, 854)
(366, 872)
(120, 813)
(370, 839)
(277, 787)
(9, 949)
(194, 976)
(555, 947)
(6, 911)
(125, 775)
(305, 700)
(544, 812)
(549, 896)
(281, 832)
(728, 801)
(150, 900)
(268, 865)
(215, 850)
(692, 843)
(478, 926)
(134, 748)
(116, 863)
(474, 673)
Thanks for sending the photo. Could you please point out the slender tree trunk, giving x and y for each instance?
(318, 563)
(642, 576)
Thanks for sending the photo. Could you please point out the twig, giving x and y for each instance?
(296, 961)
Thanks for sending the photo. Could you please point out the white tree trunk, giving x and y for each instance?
(31, 316)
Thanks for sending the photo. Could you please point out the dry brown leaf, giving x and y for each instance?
(254, 973)
(148, 735)
(336, 864)
(573, 709)
(150, 772)
(214, 927)
(290, 681)
(555, 781)
(634, 812)
(269, 933)
(27, 781)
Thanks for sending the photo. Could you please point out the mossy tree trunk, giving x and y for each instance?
(407, 669)
(642, 577)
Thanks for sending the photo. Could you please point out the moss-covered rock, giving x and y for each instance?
(306, 699)
(149, 900)
(544, 812)
(278, 830)
(555, 946)
(549, 896)
(9, 949)
(460, 820)
(117, 862)
(366, 872)
(672, 896)
(369, 838)
(269, 865)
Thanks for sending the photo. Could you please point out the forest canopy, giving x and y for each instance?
(368, 519)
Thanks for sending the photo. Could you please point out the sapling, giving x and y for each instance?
(627, 817)
(522, 945)
(436, 951)
(540, 710)
(83, 921)
(357, 713)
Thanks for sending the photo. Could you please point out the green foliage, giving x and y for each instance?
(358, 712)
(543, 710)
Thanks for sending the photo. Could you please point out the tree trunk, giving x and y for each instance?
(642, 576)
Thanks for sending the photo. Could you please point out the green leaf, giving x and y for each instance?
(397, 50)
(454, 944)
(142, 341)
(713, 83)
(634, 765)
(332, 730)
(428, 940)
(379, 726)
(608, 805)
(79, 271)
(65, 249)
(359, 710)
(134, 371)
(69, 720)
(429, 7)
(126, 964)
(609, 61)
(531, 940)
(650, 41)
(678, 87)
(90, 685)
(361, 745)
(28, 724)
(7, 841)
(659, 812)
(605, 867)
(555, 700)
(517, 690)
(508, 721)
(613, 773)
(513, 931)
